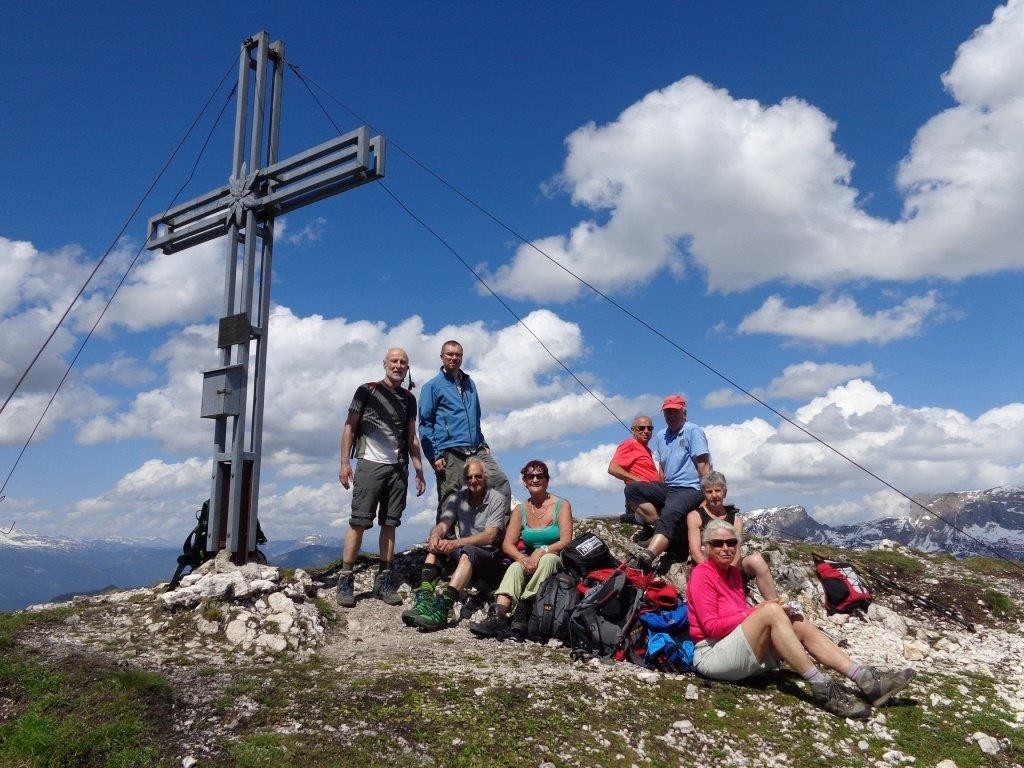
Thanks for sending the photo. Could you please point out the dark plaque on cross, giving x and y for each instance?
(242, 212)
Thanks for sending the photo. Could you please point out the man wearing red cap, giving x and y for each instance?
(681, 450)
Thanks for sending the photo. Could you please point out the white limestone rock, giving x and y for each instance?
(261, 586)
(987, 744)
(238, 632)
(283, 620)
(279, 602)
(888, 618)
(915, 650)
(683, 726)
(271, 642)
(205, 627)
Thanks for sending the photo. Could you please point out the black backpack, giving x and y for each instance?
(552, 608)
(586, 553)
(602, 620)
(193, 550)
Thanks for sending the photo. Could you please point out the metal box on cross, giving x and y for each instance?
(242, 212)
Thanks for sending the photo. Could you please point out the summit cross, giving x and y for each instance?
(243, 211)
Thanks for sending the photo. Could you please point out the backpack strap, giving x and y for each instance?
(403, 446)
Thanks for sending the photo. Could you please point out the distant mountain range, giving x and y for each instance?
(994, 516)
(40, 569)
(37, 569)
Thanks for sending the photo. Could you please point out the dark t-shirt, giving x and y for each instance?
(384, 416)
(705, 518)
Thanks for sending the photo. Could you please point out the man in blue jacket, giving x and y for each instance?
(450, 429)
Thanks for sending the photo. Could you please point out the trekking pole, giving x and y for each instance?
(923, 600)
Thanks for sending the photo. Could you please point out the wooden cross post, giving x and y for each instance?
(243, 212)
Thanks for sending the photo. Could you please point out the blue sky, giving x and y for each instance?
(821, 200)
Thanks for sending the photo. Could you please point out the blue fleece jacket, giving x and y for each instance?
(449, 418)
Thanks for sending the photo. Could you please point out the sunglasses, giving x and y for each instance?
(717, 543)
(643, 429)
(534, 476)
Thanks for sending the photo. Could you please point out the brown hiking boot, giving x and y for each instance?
(834, 699)
(879, 685)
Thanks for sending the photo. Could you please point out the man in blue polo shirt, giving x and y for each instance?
(681, 450)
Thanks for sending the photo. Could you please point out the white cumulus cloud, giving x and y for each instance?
(841, 321)
(750, 192)
(799, 381)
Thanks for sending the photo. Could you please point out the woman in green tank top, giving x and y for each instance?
(539, 529)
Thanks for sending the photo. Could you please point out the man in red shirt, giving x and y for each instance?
(633, 462)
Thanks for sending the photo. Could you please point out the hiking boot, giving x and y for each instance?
(420, 595)
(347, 589)
(643, 536)
(879, 686)
(434, 614)
(521, 619)
(384, 589)
(834, 699)
(628, 518)
(644, 559)
(493, 626)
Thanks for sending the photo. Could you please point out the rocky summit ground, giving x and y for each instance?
(259, 667)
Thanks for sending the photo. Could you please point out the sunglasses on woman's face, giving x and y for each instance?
(717, 543)
(643, 429)
(535, 476)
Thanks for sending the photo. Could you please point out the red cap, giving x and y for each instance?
(674, 403)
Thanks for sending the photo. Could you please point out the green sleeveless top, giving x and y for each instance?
(537, 537)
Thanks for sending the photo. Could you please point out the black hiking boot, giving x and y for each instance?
(834, 699)
(879, 685)
(493, 626)
(644, 559)
(346, 589)
(521, 619)
(384, 589)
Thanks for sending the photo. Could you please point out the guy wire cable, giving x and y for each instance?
(124, 277)
(466, 264)
(304, 78)
(117, 237)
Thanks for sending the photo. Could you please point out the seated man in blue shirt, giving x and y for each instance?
(681, 451)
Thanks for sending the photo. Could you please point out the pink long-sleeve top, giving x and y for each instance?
(716, 600)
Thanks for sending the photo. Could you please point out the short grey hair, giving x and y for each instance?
(717, 525)
(474, 462)
(713, 479)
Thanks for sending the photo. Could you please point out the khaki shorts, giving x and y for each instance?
(731, 658)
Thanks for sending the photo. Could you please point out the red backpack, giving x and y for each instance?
(845, 589)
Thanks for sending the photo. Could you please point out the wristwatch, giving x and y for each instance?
(543, 548)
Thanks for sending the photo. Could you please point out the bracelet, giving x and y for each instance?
(543, 548)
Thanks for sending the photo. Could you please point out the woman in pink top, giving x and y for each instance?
(736, 641)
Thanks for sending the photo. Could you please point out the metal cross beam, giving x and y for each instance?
(243, 212)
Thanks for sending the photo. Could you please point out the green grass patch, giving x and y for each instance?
(944, 730)
(998, 602)
(897, 561)
(81, 715)
(328, 612)
(991, 566)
